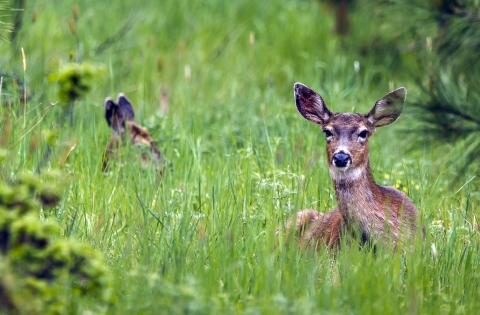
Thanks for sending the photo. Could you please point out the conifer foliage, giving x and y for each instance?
(443, 37)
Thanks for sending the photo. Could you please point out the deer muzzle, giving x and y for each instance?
(342, 160)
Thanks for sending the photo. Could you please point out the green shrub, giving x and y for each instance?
(40, 272)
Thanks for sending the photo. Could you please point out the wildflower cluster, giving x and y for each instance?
(404, 176)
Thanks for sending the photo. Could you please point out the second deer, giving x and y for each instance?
(377, 213)
(120, 117)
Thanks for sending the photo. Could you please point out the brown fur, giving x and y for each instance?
(379, 214)
(315, 229)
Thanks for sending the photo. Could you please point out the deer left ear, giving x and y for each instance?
(125, 107)
(387, 109)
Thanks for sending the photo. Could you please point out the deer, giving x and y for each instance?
(366, 210)
(119, 117)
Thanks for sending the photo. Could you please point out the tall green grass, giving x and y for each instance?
(202, 240)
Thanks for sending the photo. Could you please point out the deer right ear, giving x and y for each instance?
(114, 116)
(311, 105)
(110, 108)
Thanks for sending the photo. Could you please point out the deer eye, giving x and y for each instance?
(328, 133)
(363, 134)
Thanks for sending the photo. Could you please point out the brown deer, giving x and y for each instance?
(377, 213)
(120, 117)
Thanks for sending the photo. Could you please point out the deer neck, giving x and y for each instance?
(357, 194)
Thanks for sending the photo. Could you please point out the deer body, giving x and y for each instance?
(378, 213)
(120, 116)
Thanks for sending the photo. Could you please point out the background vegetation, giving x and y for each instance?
(212, 82)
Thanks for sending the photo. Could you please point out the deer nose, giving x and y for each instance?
(341, 159)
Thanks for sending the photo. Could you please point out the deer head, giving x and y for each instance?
(347, 133)
(119, 117)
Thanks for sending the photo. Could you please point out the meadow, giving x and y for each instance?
(212, 81)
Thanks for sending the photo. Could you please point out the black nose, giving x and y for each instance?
(341, 159)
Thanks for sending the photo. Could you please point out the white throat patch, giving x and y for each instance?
(341, 174)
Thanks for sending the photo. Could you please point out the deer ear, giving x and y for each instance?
(311, 105)
(387, 109)
(110, 108)
(125, 107)
(114, 116)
